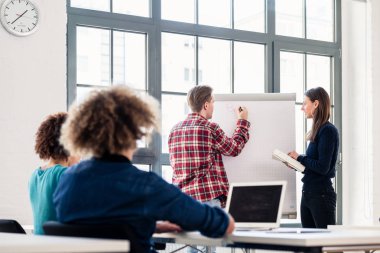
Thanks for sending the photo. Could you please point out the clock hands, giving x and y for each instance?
(25, 16)
(19, 16)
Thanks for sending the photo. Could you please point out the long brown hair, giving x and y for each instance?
(322, 112)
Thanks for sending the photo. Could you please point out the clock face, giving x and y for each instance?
(19, 17)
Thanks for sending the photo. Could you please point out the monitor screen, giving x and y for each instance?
(255, 203)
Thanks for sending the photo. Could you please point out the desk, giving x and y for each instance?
(21, 243)
(333, 241)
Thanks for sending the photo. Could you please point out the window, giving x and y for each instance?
(215, 63)
(247, 15)
(130, 7)
(249, 68)
(176, 56)
(306, 18)
(166, 47)
(183, 11)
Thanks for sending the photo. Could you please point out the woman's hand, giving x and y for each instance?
(293, 154)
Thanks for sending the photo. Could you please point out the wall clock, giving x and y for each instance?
(19, 17)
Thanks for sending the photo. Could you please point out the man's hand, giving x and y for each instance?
(242, 112)
(166, 226)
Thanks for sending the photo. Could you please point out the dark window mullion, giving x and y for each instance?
(304, 88)
(232, 20)
(305, 19)
(196, 12)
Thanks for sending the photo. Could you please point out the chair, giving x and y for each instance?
(109, 231)
(11, 226)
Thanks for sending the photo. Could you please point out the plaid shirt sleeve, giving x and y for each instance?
(232, 146)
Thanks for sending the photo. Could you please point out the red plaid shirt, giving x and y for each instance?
(196, 146)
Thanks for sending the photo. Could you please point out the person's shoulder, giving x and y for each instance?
(58, 168)
(212, 125)
(156, 182)
(329, 129)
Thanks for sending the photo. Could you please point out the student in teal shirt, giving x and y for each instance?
(44, 180)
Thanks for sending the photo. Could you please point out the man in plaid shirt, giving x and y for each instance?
(196, 146)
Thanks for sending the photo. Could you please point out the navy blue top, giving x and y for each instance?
(320, 159)
(112, 189)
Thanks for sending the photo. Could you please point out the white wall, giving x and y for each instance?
(32, 85)
(360, 81)
(375, 23)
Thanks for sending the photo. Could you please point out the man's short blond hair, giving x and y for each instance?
(198, 96)
(109, 121)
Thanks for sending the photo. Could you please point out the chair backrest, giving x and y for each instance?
(11, 226)
(110, 231)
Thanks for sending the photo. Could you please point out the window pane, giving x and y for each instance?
(289, 18)
(215, 64)
(99, 5)
(167, 173)
(82, 93)
(292, 74)
(215, 12)
(174, 109)
(320, 19)
(144, 167)
(93, 56)
(131, 7)
(129, 60)
(249, 15)
(178, 62)
(183, 11)
(318, 72)
(249, 68)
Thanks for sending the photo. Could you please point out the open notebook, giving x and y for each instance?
(256, 205)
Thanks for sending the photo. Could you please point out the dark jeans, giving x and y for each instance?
(318, 209)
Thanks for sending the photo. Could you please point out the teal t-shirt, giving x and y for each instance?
(42, 185)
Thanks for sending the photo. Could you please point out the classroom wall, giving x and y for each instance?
(360, 81)
(32, 85)
(375, 22)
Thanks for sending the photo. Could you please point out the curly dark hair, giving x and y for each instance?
(109, 121)
(47, 144)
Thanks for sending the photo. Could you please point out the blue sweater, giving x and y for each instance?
(320, 159)
(112, 189)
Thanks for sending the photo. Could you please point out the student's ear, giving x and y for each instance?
(316, 103)
(205, 105)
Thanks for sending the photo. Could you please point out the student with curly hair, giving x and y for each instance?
(44, 179)
(108, 188)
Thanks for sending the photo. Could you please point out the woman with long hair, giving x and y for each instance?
(318, 203)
